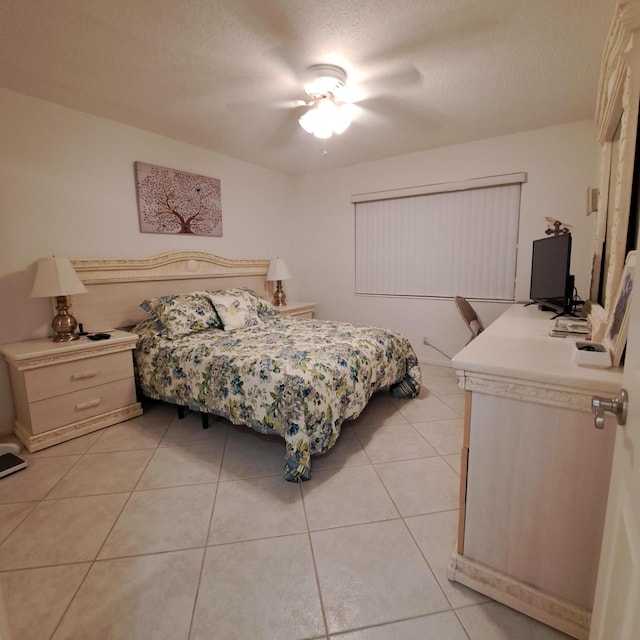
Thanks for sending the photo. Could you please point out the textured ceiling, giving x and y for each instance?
(223, 74)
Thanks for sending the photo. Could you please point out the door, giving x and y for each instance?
(616, 611)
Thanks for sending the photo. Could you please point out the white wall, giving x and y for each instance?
(561, 162)
(67, 187)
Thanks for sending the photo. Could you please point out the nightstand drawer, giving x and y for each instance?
(57, 379)
(79, 405)
(298, 309)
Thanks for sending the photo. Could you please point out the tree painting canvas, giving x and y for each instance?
(172, 201)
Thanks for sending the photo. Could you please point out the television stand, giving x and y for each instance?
(559, 314)
(561, 306)
(552, 309)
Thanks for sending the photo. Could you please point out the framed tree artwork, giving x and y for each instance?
(177, 202)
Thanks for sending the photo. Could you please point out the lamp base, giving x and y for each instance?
(64, 324)
(65, 337)
(279, 296)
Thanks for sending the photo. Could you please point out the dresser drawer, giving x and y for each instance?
(71, 407)
(57, 379)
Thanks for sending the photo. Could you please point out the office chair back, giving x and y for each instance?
(469, 316)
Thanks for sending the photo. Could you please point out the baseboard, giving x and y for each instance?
(35, 442)
(570, 618)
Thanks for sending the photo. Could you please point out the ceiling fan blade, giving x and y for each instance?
(406, 75)
(380, 83)
(292, 59)
(388, 111)
(466, 26)
(266, 105)
(284, 132)
(266, 18)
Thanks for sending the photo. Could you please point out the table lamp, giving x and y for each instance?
(278, 272)
(56, 278)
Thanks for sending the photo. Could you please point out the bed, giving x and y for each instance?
(227, 351)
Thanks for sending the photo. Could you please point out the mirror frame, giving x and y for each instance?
(617, 103)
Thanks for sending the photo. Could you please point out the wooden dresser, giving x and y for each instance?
(64, 390)
(535, 471)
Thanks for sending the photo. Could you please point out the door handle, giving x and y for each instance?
(618, 406)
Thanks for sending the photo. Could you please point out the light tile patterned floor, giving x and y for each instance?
(156, 528)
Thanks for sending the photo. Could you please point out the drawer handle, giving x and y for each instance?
(83, 375)
(87, 405)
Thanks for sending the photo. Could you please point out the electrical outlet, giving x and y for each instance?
(425, 340)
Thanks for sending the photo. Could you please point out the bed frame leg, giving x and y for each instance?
(204, 416)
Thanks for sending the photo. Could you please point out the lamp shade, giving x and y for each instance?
(278, 270)
(56, 277)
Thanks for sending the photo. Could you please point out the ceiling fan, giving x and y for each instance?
(329, 110)
(333, 99)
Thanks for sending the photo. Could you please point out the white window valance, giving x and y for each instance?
(442, 187)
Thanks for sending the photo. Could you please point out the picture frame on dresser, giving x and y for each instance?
(617, 327)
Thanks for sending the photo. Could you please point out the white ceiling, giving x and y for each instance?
(219, 73)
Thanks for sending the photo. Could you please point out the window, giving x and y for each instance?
(440, 240)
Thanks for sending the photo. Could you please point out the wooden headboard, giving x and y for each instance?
(117, 287)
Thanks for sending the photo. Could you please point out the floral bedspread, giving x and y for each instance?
(295, 377)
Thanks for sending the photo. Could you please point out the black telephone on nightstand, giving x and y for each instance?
(92, 336)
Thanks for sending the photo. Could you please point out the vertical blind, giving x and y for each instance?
(461, 242)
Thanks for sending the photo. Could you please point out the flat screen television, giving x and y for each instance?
(551, 281)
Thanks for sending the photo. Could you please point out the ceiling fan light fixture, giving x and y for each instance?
(326, 115)
(323, 130)
(324, 79)
(343, 118)
(326, 118)
(326, 108)
(308, 120)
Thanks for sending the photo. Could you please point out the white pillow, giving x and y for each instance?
(235, 311)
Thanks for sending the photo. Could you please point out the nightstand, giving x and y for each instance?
(62, 390)
(298, 309)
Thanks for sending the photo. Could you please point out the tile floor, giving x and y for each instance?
(155, 528)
